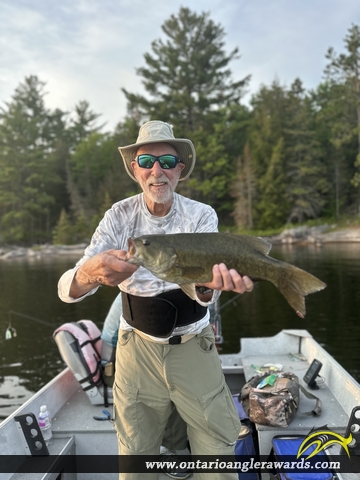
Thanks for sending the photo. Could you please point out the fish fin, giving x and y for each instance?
(189, 289)
(295, 284)
(257, 243)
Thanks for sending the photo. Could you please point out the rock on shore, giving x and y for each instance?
(300, 235)
(316, 235)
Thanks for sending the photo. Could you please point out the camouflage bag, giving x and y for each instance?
(275, 405)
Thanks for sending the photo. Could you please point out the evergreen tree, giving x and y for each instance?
(270, 205)
(243, 191)
(82, 128)
(344, 69)
(28, 171)
(306, 174)
(333, 133)
(267, 145)
(83, 123)
(63, 234)
(188, 82)
(286, 155)
(187, 77)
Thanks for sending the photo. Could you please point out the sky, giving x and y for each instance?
(90, 49)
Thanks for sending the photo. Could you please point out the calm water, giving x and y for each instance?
(28, 287)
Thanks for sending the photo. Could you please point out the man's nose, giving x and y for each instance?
(156, 170)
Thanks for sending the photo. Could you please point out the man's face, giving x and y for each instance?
(158, 184)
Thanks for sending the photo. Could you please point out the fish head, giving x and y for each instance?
(151, 252)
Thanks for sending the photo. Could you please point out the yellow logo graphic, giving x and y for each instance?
(322, 439)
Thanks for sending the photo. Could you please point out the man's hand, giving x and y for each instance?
(106, 268)
(227, 280)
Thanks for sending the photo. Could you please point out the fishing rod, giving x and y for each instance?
(11, 331)
(215, 318)
(232, 300)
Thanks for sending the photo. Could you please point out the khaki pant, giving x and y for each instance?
(151, 379)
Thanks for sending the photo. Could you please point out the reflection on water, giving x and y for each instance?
(12, 394)
(31, 359)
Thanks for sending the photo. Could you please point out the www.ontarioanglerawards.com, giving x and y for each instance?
(251, 464)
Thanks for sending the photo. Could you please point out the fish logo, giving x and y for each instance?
(321, 439)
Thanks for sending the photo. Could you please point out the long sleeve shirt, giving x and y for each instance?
(131, 218)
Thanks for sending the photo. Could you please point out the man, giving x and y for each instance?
(156, 373)
(175, 435)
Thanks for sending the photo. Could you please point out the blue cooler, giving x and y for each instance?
(285, 449)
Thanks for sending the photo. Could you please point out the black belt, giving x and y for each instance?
(158, 316)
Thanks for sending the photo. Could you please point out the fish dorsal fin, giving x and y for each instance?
(189, 289)
(260, 244)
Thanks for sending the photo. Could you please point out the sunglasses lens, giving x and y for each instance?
(166, 161)
(146, 161)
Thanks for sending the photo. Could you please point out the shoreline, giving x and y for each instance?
(42, 251)
(318, 236)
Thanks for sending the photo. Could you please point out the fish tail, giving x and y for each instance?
(295, 284)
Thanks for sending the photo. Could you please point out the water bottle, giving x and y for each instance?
(44, 422)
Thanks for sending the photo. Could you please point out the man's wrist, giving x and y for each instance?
(82, 283)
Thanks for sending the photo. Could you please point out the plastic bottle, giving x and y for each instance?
(44, 422)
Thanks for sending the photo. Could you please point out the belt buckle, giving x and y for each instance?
(175, 340)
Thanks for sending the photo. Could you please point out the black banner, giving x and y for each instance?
(157, 463)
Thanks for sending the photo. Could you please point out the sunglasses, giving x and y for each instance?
(166, 161)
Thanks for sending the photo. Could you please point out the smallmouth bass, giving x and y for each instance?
(188, 258)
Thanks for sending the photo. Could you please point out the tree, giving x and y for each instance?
(290, 174)
(82, 127)
(243, 191)
(188, 83)
(267, 145)
(306, 174)
(187, 76)
(345, 69)
(28, 172)
(271, 208)
(62, 234)
(83, 123)
(337, 144)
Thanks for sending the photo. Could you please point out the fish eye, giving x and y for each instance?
(146, 242)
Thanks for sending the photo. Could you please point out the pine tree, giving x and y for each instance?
(187, 76)
(243, 191)
(330, 132)
(267, 144)
(63, 234)
(306, 174)
(189, 84)
(344, 69)
(28, 170)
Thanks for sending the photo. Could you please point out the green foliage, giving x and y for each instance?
(187, 75)
(343, 71)
(291, 157)
(62, 233)
(28, 170)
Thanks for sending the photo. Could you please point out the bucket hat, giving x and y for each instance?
(156, 131)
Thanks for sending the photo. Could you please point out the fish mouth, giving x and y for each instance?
(131, 250)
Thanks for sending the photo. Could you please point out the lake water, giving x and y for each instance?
(29, 290)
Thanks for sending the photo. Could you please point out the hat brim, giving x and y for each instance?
(183, 146)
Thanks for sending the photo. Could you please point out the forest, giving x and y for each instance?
(291, 156)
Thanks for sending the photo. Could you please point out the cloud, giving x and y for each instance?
(90, 49)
